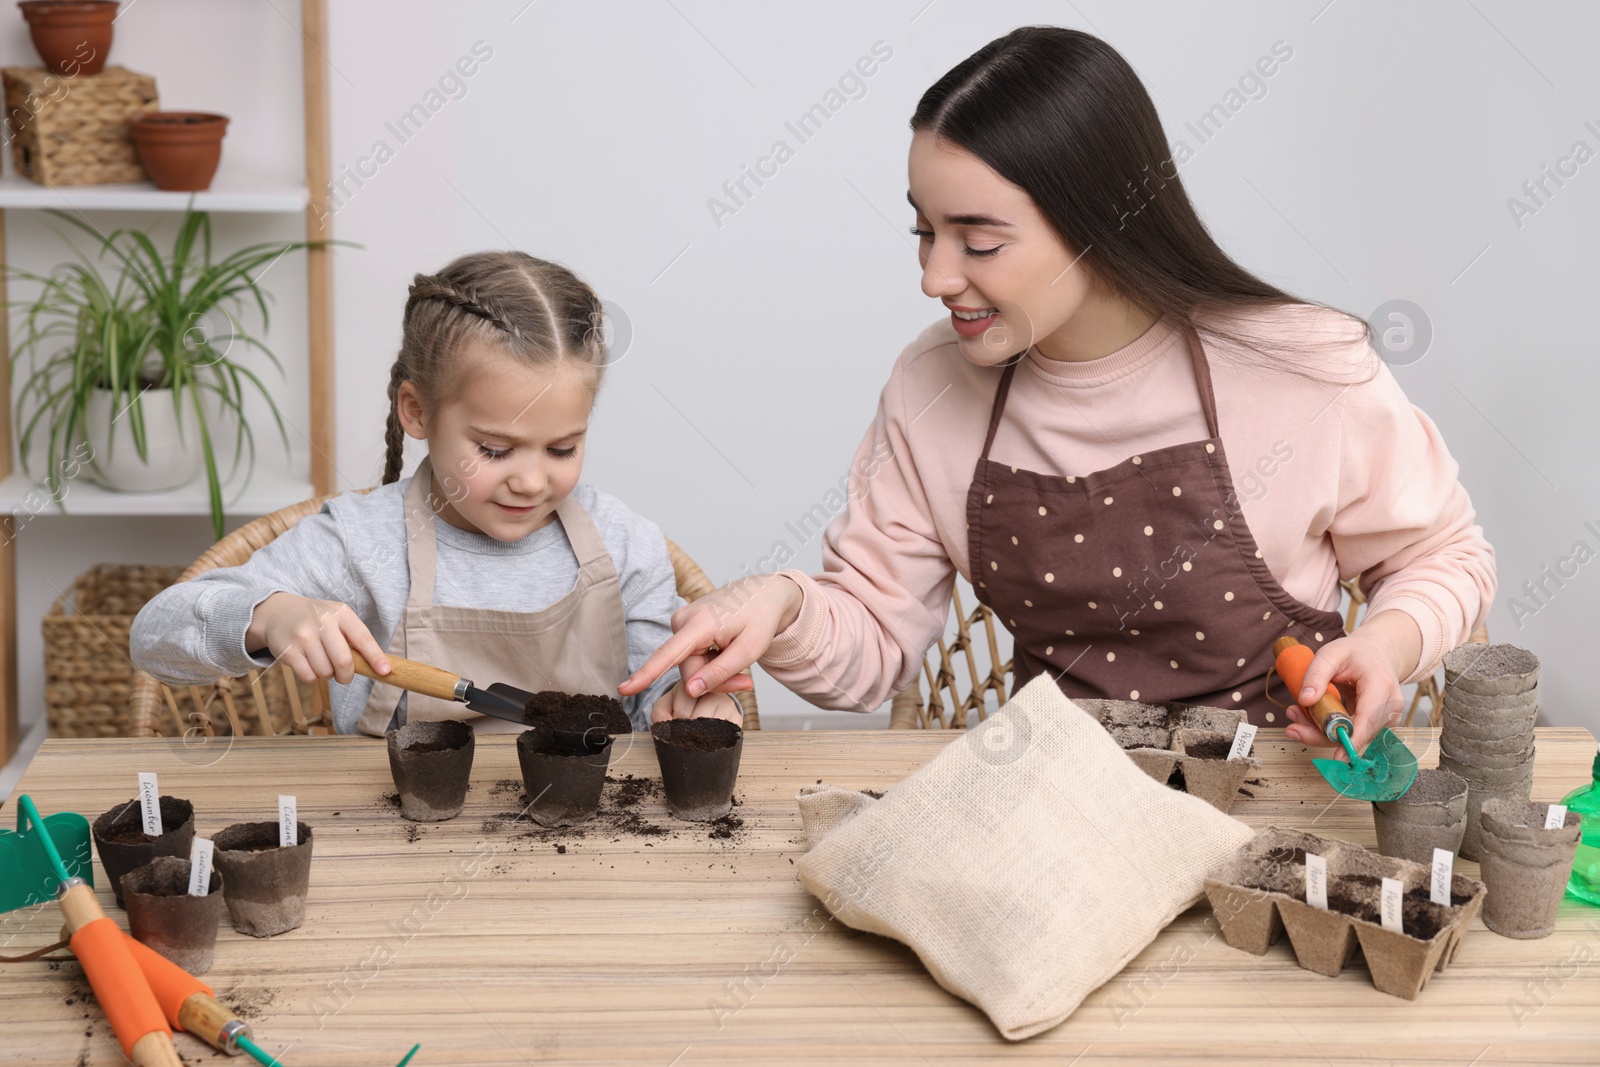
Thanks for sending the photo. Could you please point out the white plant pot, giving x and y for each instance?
(173, 453)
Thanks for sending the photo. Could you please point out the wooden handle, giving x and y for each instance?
(1292, 660)
(155, 1049)
(206, 1019)
(411, 676)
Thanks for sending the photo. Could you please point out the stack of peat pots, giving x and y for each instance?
(1490, 704)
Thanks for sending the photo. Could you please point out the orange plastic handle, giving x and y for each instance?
(1293, 660)
(171, 984)
(119, 985)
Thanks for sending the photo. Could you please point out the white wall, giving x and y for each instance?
(1377, 166)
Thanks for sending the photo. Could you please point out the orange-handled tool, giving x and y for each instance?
(1292, 661)
(188, 1003)
(118, 984)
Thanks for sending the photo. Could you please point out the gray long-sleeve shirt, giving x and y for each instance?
(354, 551)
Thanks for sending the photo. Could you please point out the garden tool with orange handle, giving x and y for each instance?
(1387, 769)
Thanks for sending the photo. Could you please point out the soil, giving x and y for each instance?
(126, 829)
(702, 735)
(1284, 854)
(1176, 780)
(1348, 905)
(1217, 748)
(263, 838)
(725, 827)
(432, 746)
(1429, 789)
(1493, 661)
(873, 793)
(618, 819)
(129, 835)
(577, 712)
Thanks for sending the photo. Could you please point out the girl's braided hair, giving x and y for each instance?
(531, 309)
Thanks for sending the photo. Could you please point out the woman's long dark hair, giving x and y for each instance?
(1060, 114)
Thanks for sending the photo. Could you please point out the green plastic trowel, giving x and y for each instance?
(1388, 767)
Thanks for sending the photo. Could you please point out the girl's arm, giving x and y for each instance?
(649, 597)
(194, 632)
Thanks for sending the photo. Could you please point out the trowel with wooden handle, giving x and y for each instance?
(1387, 769)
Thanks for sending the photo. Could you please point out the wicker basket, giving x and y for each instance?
(74, 131)
(88, 675)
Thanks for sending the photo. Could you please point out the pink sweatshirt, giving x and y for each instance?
(1336, 480)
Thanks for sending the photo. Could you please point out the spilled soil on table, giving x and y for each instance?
(622, 816)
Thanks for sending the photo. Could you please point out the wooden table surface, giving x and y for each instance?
(664, 948)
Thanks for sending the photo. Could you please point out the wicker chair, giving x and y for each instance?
(909, 711)
(273, 701)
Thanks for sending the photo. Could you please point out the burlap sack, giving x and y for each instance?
(1025, 865)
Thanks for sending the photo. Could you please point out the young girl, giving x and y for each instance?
(491, 561)
(1149, 462)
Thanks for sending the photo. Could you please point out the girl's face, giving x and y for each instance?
(990, 256)
(508, 449)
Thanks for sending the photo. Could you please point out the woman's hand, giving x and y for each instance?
(720, 635)
(1369, 663)
(313, 637)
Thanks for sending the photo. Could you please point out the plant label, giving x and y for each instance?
(200, 867)
(287, 832)
(1556, 817)
(1443, 861)
(1316, 881)
(1243, 738)
(150, 803)
(1390, 896)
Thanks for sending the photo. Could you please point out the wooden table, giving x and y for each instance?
(660, 949)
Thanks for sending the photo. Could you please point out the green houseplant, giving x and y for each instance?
(133, 343)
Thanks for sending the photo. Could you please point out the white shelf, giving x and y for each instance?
(268, 491)
(229, 192)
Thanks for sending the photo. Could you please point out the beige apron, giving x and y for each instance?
(579, 644)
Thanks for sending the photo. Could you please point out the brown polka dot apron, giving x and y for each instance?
(1138, 582)
(579, 644)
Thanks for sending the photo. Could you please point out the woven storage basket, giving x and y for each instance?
(88, 675)
(74, 131)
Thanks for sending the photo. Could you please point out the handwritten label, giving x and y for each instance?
(150, 803)
(1443, 861)
(1316, 881)
(1556, 817)
(1243, 738)
(1390, 896)
(200, 867)
(287, 832)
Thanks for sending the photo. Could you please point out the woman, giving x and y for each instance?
(1059, 441)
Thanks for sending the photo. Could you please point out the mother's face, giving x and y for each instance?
(989, 254)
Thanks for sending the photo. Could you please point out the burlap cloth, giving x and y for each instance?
(1025, 865)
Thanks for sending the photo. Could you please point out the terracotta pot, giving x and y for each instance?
(124, 848)
(163, 915)
(699, 763)
(73, 37)
(264, 883)
(564, 774)
(179, 149)
(431, 763)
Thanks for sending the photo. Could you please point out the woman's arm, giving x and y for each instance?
(854, 635)
(1405, 524)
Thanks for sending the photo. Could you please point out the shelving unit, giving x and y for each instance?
(21, 501)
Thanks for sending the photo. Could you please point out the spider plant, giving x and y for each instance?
(144, 324)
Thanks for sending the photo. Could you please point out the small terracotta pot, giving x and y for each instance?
(163, 915)
(73, 37)
(432, 766)
(265, 884)
(699, 761)
(180, 150)
(564, 774)
(124, 848)
(1525, 866)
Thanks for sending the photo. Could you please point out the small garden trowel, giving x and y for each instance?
(1388, 767)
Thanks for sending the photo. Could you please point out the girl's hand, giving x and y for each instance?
(1369, 663)
(740, 620)
(313, 637)
(677, 704)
